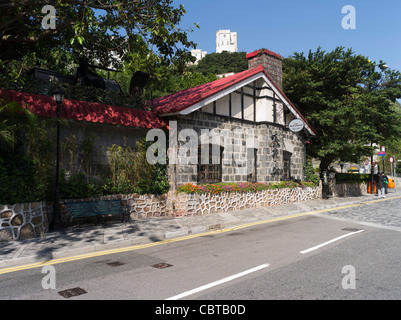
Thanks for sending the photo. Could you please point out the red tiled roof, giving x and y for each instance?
(183, 99)
(268, 52)
(44, 106)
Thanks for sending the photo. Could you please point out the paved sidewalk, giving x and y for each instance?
(82, 240)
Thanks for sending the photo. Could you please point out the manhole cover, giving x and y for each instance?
(74, 292)
(116, 264)
(351, 229)
(162, 266)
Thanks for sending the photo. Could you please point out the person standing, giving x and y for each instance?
(385, 184)
(380, 185)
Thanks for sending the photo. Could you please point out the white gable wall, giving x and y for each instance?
(264, 103)
(248, 108)
(223, 106)
(264, 106)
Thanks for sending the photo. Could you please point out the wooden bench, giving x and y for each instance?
(99, 208)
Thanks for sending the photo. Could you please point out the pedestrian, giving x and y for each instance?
(385, 184)
(380, 185)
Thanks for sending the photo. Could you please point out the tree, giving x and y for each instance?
(101, 32)
(346, 98)
(177, 82)
(225, 62)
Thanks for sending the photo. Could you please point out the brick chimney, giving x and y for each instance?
(272, 62)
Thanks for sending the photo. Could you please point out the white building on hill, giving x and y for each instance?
(199, 54)
(226, 41)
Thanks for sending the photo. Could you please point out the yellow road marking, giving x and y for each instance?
(191, 236)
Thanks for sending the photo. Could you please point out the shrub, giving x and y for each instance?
(18, 177)
(352, 178)
(311, 176)
(130, 171)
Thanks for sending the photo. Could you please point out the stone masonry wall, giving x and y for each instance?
(205, 204)
(23, 220)
(273, 65)
(269, 167)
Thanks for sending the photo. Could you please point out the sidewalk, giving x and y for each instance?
(82, 240)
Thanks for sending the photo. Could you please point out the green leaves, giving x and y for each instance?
(101, 32)
(219, 63)
(346, 98)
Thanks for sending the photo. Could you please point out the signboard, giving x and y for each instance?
(381, 154)
(296, 125)
(391, 159)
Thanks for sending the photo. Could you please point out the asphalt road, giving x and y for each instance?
(312, 257)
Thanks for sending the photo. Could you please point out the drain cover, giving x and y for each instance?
(351, 229)
(116, 264)
(162, 265)
(74, 292)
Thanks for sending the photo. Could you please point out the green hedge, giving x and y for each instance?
(352, 178)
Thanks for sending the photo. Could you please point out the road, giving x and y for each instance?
(346, 254)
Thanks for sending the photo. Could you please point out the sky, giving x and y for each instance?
(288, 26)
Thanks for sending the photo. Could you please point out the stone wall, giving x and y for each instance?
(269, 165)
(205, 204)
(271, 61)
(23, 220)
(349, 189)
(84, 145)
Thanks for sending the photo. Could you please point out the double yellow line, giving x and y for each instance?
(191, 236)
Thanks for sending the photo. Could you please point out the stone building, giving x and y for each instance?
(234, 129)
(241, 123)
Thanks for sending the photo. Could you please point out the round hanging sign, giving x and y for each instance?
(296, 125)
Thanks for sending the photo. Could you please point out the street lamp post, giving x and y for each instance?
(56, 223)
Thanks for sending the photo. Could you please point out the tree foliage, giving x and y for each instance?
(139, 35)
(225, 62)
(101, 32)
(348, 100)
(177, 82)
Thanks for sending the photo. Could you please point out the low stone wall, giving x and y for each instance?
(147, 206)
(349, 189)
(204, 204)
(21, 221)
(341, 190)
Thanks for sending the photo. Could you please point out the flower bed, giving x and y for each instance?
(241, 187)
